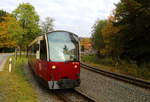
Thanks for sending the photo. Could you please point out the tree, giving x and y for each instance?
(47, 25)
(111, 38)
(97, 38)
(29, 21)
(134, 17)
(9, 31)
(2, 14)
(82, 48)
(15, 30)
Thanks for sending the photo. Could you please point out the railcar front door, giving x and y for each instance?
(43, 59)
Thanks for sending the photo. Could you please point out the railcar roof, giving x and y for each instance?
(37, 39)
(62, 31)
(41, 37)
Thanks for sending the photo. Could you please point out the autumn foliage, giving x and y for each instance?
(126, 34)
(19, 28)
(5, 33)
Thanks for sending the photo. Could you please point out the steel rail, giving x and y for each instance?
(91, 99)
(122, 77)
(61, 95)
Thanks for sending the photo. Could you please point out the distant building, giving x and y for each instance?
(86, 44)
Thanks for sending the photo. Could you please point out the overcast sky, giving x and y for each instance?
(77, 16)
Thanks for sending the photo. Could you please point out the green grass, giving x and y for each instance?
(108, 64)
(14, 86)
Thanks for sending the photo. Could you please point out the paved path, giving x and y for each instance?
(3, 58)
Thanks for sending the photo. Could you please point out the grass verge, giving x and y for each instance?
(142, 72)
(14, 86)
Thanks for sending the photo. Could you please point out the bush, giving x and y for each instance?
(97, 60)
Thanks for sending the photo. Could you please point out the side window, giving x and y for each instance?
(43, 50)
(36, 48)
(32, 50)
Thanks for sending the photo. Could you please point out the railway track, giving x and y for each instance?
(125, 78)
(72, 95)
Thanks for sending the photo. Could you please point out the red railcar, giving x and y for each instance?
(54, 58)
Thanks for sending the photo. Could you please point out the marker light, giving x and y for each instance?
(75, 66)
(53, 67)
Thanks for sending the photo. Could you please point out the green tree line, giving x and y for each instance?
(126, 33)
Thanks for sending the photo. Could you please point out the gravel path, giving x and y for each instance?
(44, 95)
(105, 89)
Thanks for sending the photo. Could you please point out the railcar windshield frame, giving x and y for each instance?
(63, 46)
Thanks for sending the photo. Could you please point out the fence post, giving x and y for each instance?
(10, 64)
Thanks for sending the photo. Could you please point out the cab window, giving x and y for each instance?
(43, 50)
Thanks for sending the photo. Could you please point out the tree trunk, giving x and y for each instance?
(16, 53)
(20, 52)
(27, 51)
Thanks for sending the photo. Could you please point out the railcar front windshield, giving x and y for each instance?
(63, 46)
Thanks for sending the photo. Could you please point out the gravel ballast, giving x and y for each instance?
(44, 95)
(105, 89)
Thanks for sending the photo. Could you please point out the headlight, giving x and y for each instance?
(75, 66)
(53, 67)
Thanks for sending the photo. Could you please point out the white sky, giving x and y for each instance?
(77, 16)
